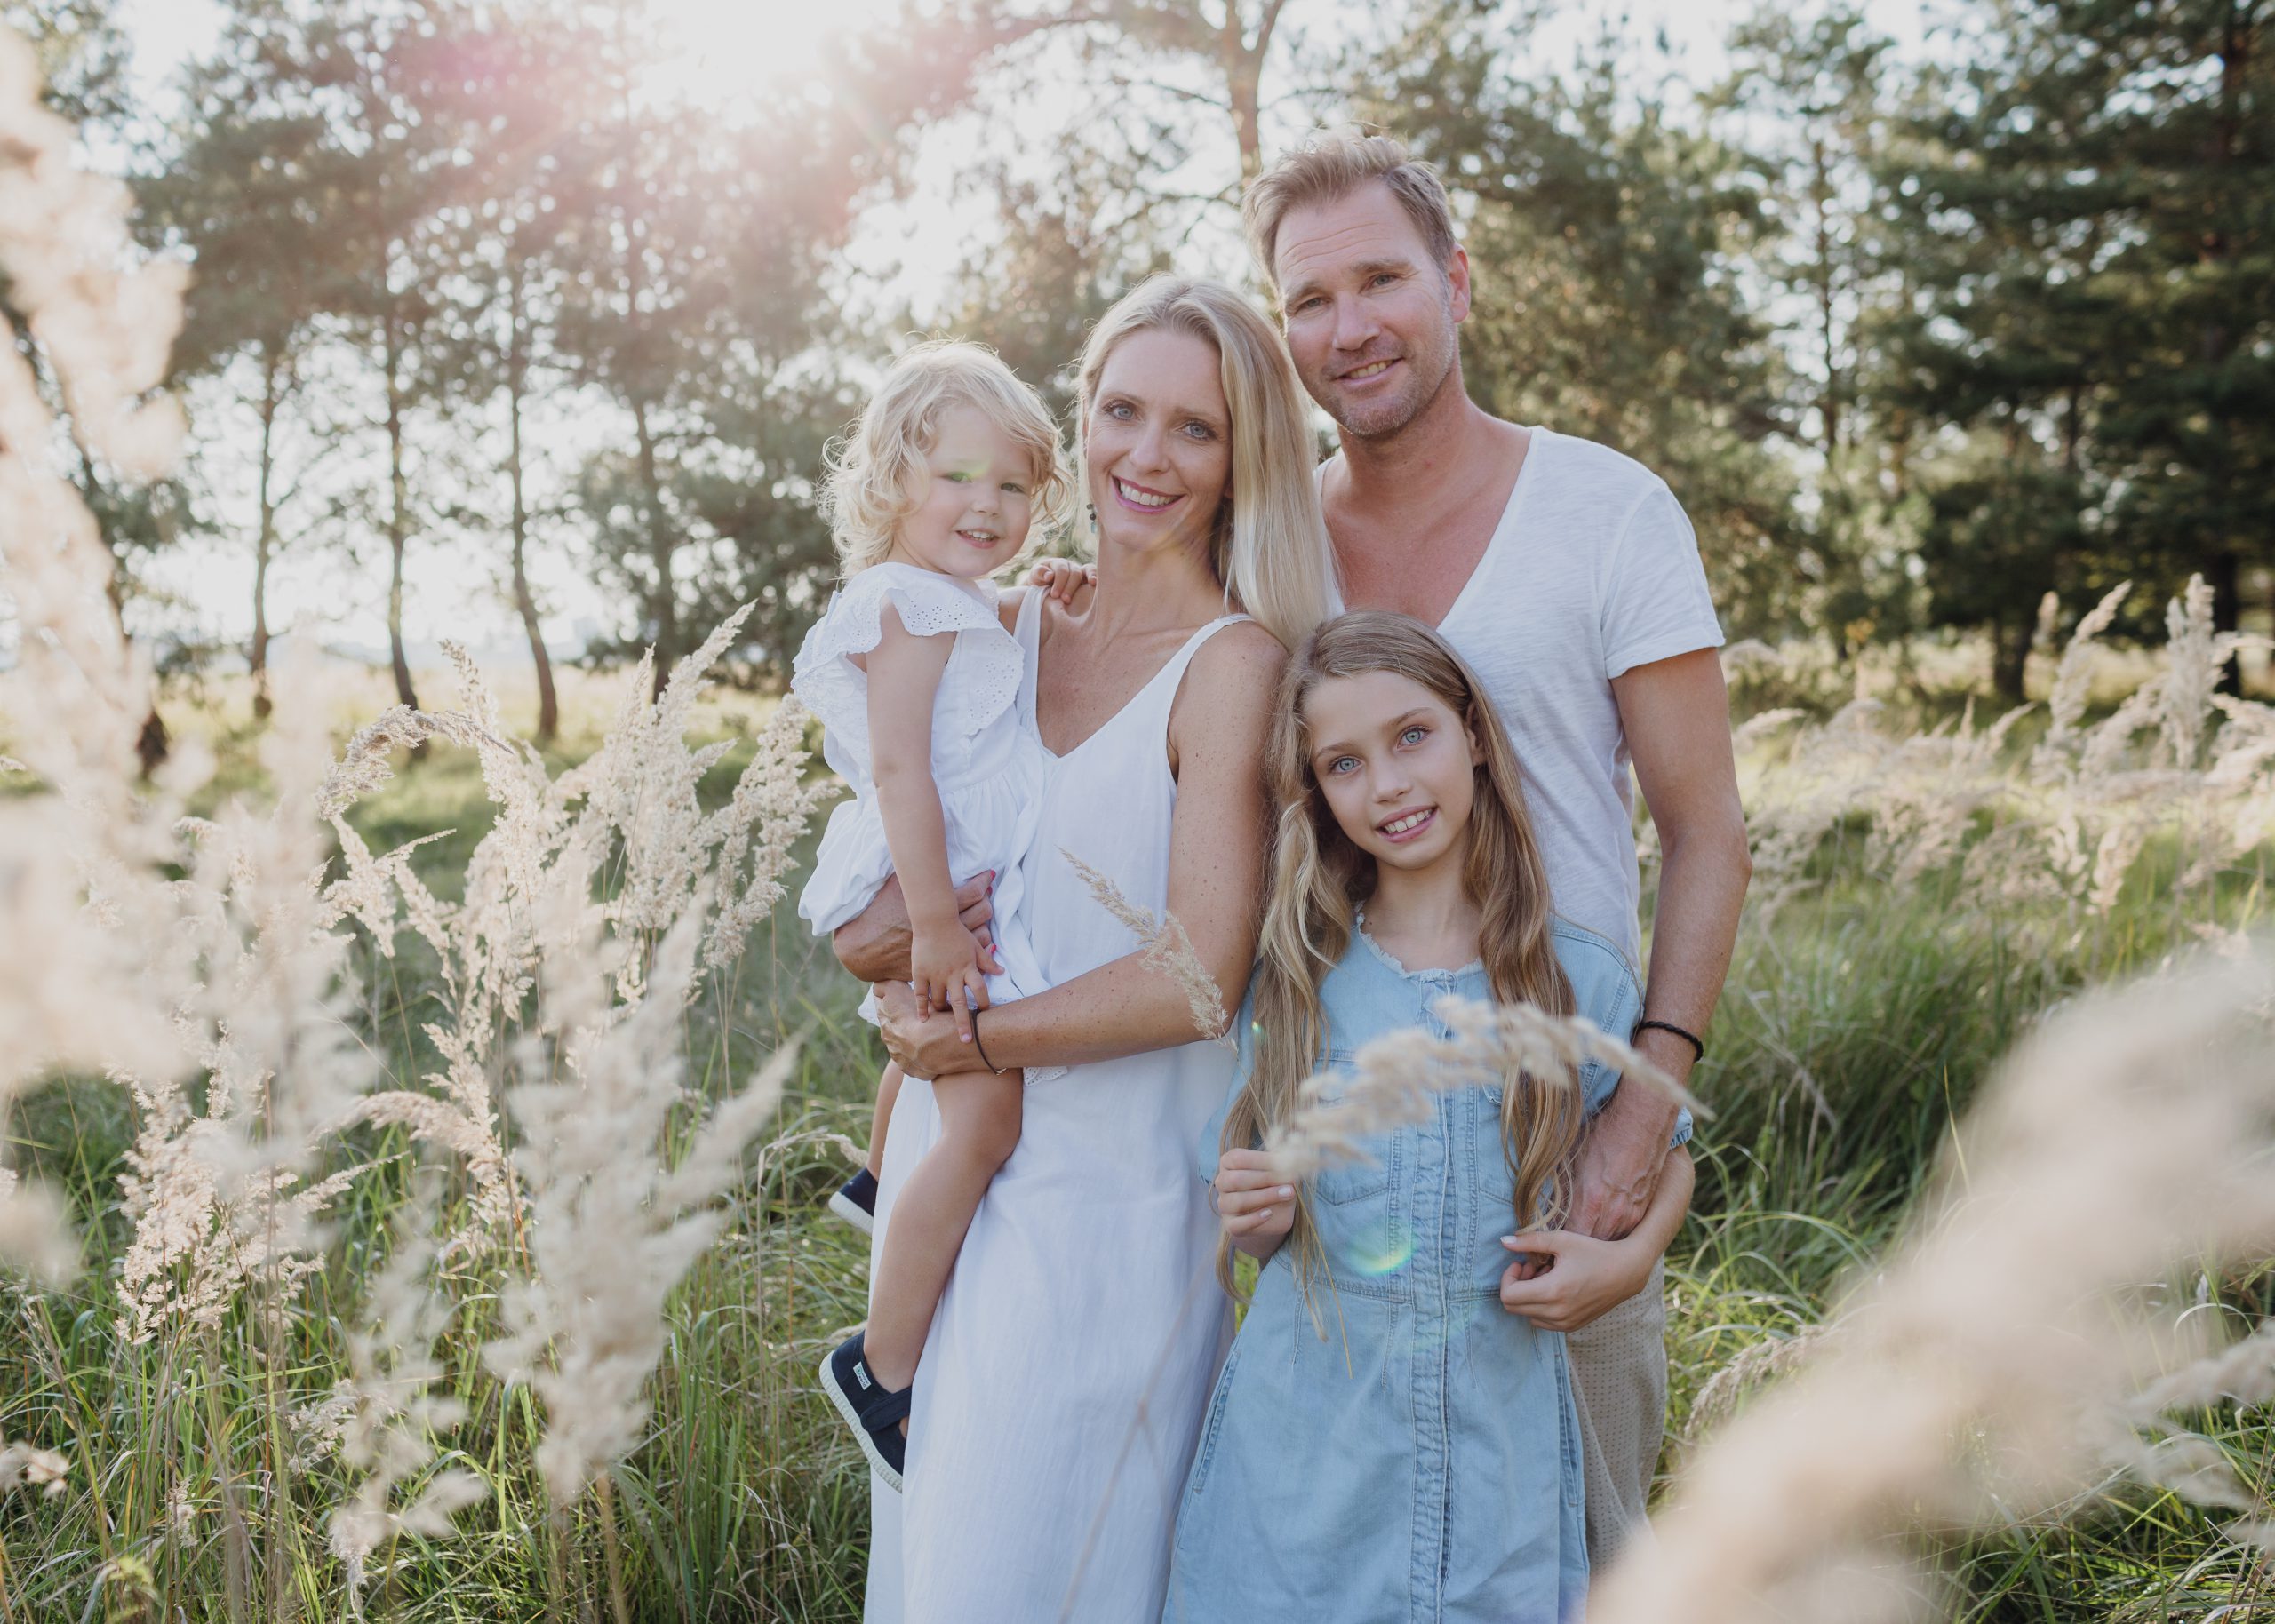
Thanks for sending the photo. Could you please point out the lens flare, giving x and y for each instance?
(1385, 1248)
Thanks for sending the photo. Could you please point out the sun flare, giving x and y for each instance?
(723, 52)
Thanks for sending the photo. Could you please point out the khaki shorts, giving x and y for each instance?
(1619, 1375)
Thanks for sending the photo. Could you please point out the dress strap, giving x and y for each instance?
(1168, 681)
(1028, 629)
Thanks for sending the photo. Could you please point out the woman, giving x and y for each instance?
(1056, 1402)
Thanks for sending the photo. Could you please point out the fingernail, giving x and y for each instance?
(1287, 1190)
(1508, 1240)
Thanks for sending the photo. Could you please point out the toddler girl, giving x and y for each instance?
(1393, 1432)
(916, 682)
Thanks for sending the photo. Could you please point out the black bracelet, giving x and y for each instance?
(982, 1047)
(1690, 1038)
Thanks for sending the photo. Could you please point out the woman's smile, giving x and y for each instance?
(1142, 499)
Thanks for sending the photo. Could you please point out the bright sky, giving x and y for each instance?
(729, 49)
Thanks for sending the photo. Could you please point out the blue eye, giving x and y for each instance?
(1200, 431)
(1337, 765)
(1414, 734)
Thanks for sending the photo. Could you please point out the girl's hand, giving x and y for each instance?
(1254, 1202)
(947, 970)
(1062, 578)
(1562, 1279)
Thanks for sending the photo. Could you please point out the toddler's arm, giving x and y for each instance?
(904, 672)
(1586, 1277)
(1256, 1208)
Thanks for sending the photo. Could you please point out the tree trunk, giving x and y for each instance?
(2009, 655)
(548, 707)
(663, 608)
(1821, 200)
(2224, 573)
(265, 538)
(1242, 61)
(398, 517)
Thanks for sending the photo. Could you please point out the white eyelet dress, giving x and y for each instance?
(986, 760)
(1062, 1389)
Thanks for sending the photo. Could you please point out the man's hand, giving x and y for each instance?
(927, 1046)
(1620, 1158)
(875, 943)
(1255, 1203)
(1584, 1279)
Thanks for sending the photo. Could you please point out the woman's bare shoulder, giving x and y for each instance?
(1234, 678)
(1242, 653)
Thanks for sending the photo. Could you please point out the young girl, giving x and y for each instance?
(916, 682)
(1393, 1435)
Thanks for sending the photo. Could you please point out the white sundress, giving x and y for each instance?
(986, 764)
(1063, 1385)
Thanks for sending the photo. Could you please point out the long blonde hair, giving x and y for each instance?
(1270, 548)
(1319, 880)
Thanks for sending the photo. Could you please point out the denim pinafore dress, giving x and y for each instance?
(1420, 1462)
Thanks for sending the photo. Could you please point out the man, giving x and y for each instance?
(1569, 576)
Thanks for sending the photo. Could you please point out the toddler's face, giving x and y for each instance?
(1396, 765)
(972, 517)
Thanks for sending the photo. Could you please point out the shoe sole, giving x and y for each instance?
(844, 1206)
(852, 1418)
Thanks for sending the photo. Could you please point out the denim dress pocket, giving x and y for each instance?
(1341, 1184)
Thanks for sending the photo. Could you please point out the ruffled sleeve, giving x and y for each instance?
(974, 689)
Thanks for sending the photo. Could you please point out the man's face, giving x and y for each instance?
(1370, 317)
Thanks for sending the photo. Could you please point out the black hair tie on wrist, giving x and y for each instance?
(1690, 1038)
(982, 1047)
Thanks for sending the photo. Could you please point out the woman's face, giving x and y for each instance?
(1158, 447)
(1396, 765)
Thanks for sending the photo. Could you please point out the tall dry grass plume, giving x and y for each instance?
(215, 968)
(2017, 1344)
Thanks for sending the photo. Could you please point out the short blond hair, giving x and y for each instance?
(1332, 164)
(1270, 549)
(877, 468)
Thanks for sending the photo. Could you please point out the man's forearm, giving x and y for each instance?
(874, 945)
(1702, 878)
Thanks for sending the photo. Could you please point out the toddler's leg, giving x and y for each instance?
(856, 1201)
(979, 1127)
(887, 1091)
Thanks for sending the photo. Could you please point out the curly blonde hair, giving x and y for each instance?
(876, 470)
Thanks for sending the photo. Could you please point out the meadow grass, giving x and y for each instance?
(1856, 1027)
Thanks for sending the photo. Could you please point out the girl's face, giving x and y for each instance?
(1396, 764)
(972, 517)
(1157, 451)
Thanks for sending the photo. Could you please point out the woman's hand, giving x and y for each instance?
(1254, 1202)
(926, 1045)
(1063, 579)
(1562, 1279)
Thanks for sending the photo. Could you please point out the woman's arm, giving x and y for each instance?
(1217, 858)
(904, 672)
(1587, 1277)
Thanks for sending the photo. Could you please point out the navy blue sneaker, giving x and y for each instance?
(874, 1413)
(855, 1202)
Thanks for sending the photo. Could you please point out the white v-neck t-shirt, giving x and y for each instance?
(1592, 570)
